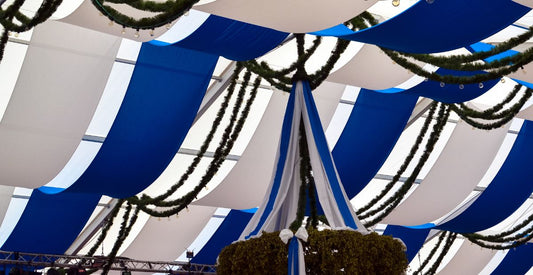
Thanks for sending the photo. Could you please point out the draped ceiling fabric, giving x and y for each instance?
(372, 69)
(226, 233)
(47, 116)
(278, 209)
(517, 261)
(42, 228)
(249, 179)
(437, 27)
(165, 239)
(470, 259)
(526, 3)
(5, 197)
(374, 126)
(296, 16)
(412, 238)
(87, 16)
(149, 127)
(252, 41)
(150, 122)
(468, 153)
(507, 191)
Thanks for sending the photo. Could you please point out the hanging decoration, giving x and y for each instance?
(164, 12)
(448, 238)
(325, 252)
(13, 20)
(305, 169)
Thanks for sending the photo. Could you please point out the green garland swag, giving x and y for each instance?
(499, 118)
(307, 184)
(326, 252)
(105, 228)
(447, 244)
(168, 11)
(505, 236)
(282, 79)
(386, 207)
(496, 69)
(47, 8)
(510, 237)
(405, 163)
(125, 227)
(228, 139)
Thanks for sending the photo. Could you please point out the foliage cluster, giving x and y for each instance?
(326, 252)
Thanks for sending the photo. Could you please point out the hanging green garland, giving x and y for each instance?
(25, 23)
(494, 114)
(128, 220)
(448, 243)
(228, 139)
(325, 252)
(105, 228)
(386, 207)
(167, 12)
(306, 184)
(406, 162)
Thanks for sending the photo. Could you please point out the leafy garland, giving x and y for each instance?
(450, 238)
(388, 205)
(23, 23)
(307, 184)
(406, 162)
(168, 11)
(325, 252)
(493, 114)
(506, 239)
(228, 139)
(231, 133)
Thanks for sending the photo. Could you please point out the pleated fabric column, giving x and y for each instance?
(278, 209)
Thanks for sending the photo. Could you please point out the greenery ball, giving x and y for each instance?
(325, 252)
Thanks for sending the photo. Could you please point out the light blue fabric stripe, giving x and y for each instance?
(325, 155)
(283, 148)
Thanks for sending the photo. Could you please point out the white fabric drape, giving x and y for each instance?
(459, 168)
(371, 68)
(279, 206)
(249, 178)
(470, 259)
(296, 16)
(526, 3)
(87, 16)
(165, 239)
(5, 197)
(59, 86)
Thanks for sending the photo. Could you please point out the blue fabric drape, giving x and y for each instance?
(451, 93)
(437, 27)
(50, 223)
(228, 232)
(163, 97)
(326, 157)
(232, 39)
(164, 94)
(517, 261)
(375, 124)
(293, 263)
(412, 238)
(283, 149)
(507, 191)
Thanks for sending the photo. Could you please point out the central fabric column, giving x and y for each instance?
(278, 209)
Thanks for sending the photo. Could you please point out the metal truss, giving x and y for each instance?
(98, 262)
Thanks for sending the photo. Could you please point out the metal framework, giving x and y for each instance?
(98, 262)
